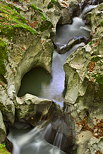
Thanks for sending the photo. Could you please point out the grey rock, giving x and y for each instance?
(2, 129)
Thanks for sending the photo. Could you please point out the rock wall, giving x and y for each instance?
(25, 42)
(84, 86)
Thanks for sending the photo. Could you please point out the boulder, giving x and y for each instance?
(36, 110)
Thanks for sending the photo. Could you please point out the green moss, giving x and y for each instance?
(39, 11)
(54, 1)
(25, 27)
(96, 59)
(10, 20)
(98, 77)
(15, 7)
(3, 149)
(35, 7)
(90, 43)
(101, 22)
(45, 25)
(3, 56)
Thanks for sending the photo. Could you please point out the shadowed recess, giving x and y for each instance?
(33, 81)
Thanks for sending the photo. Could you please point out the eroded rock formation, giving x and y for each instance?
(26, 43)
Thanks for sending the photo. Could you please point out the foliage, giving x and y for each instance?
(98, 77)
(3, 149)
(101, 22)
(95, 59)
(54, 1)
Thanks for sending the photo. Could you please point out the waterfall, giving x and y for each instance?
(49, 140)
(31, 142)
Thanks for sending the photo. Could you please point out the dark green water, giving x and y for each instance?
(33, 80)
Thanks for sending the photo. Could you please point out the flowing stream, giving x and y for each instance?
(35, 141)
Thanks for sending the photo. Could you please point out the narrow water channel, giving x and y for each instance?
(50, 139)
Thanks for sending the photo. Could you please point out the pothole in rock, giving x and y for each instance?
(33, 82)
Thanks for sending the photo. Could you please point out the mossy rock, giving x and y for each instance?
(40, 12)
(45, 25)
(10, 20)
(3, 56)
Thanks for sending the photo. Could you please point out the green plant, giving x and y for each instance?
(98, 77)
(101, 22)
(53, 1)
(96, 58)
(3, 149)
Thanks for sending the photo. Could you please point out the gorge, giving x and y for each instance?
(37, 140)
(49, 96)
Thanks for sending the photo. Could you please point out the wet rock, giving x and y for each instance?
(35, 110)
(9, 145)
(60, 132)
(69, 10)
(70, 45)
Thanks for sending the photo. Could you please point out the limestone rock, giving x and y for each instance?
(6, 106)
(24, 50)
(35, 110)
(2, 129)
(28, 44)
(84, 84)
(69, 9)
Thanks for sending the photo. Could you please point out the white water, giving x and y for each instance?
(67, 32)
(54, 91)
(87, 9)
(33, 142)
(64, 34)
